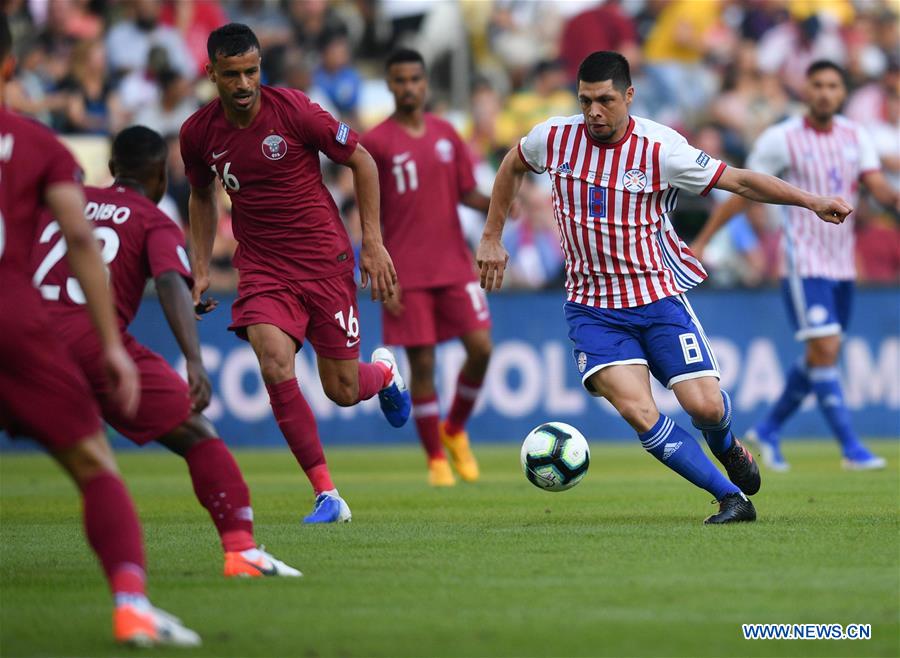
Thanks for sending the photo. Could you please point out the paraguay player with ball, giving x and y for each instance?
(615, 179)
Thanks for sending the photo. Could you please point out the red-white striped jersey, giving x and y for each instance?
(612, 204)
(823, 162)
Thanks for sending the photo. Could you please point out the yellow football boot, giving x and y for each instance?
(439, 473)
(460, 453)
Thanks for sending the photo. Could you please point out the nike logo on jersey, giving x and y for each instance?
(351, 343)
(216, 156)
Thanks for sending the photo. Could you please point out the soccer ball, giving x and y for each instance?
(555, 456)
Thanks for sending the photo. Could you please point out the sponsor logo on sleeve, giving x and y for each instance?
(702, 159)
(343, 132)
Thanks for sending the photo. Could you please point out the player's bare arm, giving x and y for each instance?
(720, 216)
(175, 299)
(375, 263)
(66, 201)
(204, 217)
(769, 189)
(492, 255)
(476, 201)
(881, 189)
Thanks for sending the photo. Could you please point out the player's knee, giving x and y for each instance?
(640, 415)
(706, 410)
(88, 459)
(479, 352)
(276, 365)
(823, 352)
(422, 368)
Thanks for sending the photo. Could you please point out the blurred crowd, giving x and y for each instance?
(719, 71)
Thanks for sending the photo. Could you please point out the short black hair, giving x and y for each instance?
(230, 40)
(404, 56)
(137, 150)
(5, 37)
(606, 65)
(824, 65)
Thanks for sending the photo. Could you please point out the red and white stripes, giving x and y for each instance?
(828, 163)
(611, 203)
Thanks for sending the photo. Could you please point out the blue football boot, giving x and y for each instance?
(394, 398)
(329, 508)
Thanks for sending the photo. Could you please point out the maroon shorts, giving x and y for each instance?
(165, 401)
(433, 315)
(43, 394)
(323, 311)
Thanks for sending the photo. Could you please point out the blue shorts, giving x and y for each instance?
(665, 335)
(818, 307)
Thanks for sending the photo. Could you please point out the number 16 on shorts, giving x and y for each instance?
(350, 325)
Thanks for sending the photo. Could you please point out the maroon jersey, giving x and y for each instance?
(137, 242)
(31, 160)
(284, 219)
(422, 180)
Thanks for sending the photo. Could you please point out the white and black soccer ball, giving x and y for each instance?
(555, 456)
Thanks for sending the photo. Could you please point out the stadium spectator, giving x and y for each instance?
(129, 42)
(174, 104)
(29, 92)
(748, 101)
(93, 105)
(337, 77)
(605, 27)
(548, 95)
(267, 19)
(787, 50)
(673, 58)
(194, 20)
(532, 240)
(315, 23)
(878, 249)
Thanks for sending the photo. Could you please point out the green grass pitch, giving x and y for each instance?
(618, 566)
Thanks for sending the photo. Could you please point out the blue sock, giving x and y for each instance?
(826, 384)
(718, 436)
(796, 388)
(678, 450)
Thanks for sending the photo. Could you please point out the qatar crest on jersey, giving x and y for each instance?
(274, 147)
(444, 150)
(634, 180)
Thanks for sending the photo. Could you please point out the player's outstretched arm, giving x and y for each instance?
(175, 299)
(492, 255)
(204, 217)
(720, 216)
(66, 201)
(375, 263)
(881, 189)
(769, 189)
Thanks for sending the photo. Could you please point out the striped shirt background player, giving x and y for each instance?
(42, 393)
(614, 180)
(294, 256)
(826, 153)
(424, 173)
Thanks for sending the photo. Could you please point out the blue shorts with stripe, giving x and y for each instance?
(817, 306)
(664, 335)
